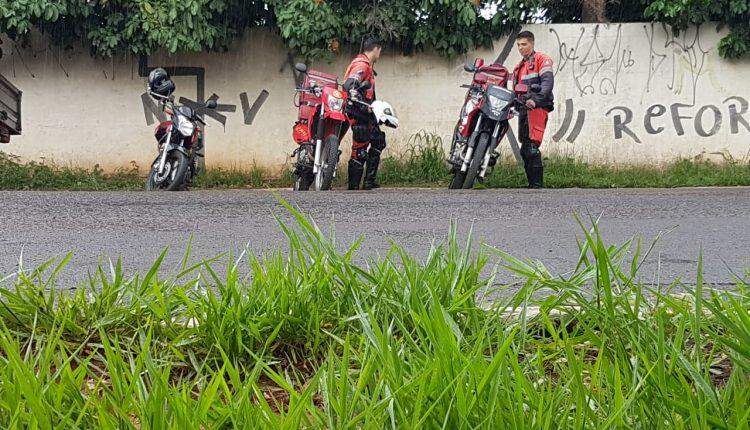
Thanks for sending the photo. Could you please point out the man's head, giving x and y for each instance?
(372, 47)
(525, 43)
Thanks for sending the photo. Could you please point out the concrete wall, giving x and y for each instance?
(626, 93)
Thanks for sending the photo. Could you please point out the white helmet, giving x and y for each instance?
(384, 113)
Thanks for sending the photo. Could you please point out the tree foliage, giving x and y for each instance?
(318, 28)
(136, 26)
(732, 13)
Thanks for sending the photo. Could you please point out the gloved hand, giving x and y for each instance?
(354, 95)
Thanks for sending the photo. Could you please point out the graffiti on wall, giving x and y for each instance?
(151, 110)
(19, 65)
(598, 57)
(594, 62)
(705, 121)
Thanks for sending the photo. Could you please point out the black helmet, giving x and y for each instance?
(159, 82)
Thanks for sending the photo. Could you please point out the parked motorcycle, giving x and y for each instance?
(322, 122)
(178, 140)
(320, 126)
(483, 123)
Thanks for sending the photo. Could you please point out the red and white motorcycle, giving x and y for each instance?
(483, 122)
(322, 122)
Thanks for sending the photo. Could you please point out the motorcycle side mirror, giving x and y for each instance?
(478, 63)
(211, 104)
(301, 67)
(521, 88)
(470, 68)
(536, 88)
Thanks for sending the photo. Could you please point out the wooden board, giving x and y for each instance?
(10, 107)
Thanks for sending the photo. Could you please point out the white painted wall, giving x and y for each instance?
(84, 111)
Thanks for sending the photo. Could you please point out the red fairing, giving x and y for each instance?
(493, 74)
(335, 101)
(310, 107)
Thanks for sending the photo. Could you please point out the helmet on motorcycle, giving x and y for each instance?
(159, 82)
(384, 114)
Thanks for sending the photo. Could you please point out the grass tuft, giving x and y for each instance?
(420, 164)
(311, 338)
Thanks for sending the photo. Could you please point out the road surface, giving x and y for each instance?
(537, 224)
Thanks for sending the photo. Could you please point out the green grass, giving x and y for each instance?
(313, 339)
(420, 164)
(15, 175)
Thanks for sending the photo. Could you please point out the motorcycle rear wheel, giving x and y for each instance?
(176, 179)
(329, 160)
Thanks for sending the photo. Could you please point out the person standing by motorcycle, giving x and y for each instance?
(535, 69)
(368, 141)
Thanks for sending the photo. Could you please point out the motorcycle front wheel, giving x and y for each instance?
(477, 160)
(458, 180)
(329, 159)
(174, 176)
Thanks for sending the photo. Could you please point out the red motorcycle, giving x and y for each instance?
(321, 124)
(484, 121)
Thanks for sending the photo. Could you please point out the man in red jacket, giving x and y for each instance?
(535, 68)
(368, 141)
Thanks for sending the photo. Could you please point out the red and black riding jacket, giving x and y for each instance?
(537, 69)
(360, 70)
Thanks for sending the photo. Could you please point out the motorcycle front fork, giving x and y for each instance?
(491, 150)
(163, 158)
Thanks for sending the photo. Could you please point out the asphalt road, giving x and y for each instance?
(539, 224)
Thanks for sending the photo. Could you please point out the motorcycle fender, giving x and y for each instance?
(181, 149)
(465, 130)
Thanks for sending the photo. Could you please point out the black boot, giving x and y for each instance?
(356, 169)
(377, 145)
(536, 177)
(371, 176)
(535, 171)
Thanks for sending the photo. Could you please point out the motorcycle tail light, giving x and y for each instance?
(301, 133)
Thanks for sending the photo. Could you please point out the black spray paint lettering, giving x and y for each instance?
(151, 110)
(211, 113)
(677, 118)
(735, 117)
(699, 121)
(248, 111)
(621, 125)
(653, 112)
(707, 121)
(577, 127)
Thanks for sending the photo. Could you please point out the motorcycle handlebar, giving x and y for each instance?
(159, 96)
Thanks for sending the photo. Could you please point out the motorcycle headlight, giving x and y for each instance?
(335, 103)
(496, 104)
(185, 126)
